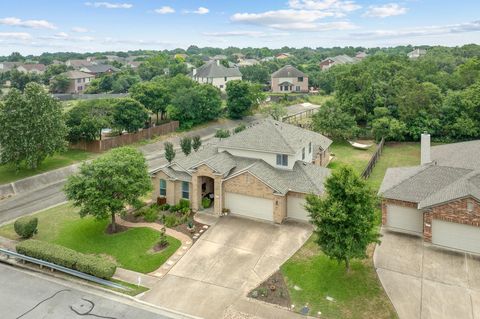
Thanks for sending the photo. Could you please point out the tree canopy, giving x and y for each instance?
(129, 115)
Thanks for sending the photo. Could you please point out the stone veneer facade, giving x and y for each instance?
(454, 211)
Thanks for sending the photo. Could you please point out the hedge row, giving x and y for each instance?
(59, 255)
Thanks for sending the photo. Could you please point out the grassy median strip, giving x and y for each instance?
(131, 249)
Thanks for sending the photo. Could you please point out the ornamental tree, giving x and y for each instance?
(106, 185)
(186, 145)
(169, 151)
(344, 219)
(196, 143)
(32, 127)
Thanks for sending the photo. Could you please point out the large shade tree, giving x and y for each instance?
(154, 95)
(105, 186)
(129, 115)
(344, 219)
(32, 127)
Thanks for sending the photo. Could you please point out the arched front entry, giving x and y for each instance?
(206, 190)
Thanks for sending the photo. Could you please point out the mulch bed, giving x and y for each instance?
(273, 290)
(119, 229)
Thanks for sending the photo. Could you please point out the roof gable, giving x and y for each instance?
(288, 71)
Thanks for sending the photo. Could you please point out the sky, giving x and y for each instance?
(36, 26)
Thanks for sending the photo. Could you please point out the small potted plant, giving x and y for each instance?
(191, 226)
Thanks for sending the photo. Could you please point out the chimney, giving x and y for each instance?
(194, 72)
(425, 149)
(218, 62)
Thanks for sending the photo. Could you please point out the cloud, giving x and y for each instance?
(384, 11)
(80, 30)
(34, 24)
(200, 10)
(165, 10)
(63, 36)
(109, 5)
(302, 15)
(235, 34)
(15, 35)
(473, 26)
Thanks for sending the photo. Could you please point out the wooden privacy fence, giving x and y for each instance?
(106, 144)
(373, 160)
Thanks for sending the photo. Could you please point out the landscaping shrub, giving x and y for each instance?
(222, 133)
(62, 256)
(26, 227)
(174, 208)
(184, 203)
(151, 214)
(163, 241)
(239, 128)
(206, 202)
(170, 221)
(164, 207)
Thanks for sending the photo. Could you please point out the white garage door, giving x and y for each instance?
(409, 220)
(457, 236)
(250, 206)
(296, 208)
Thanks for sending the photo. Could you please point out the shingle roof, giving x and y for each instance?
(174, 174)
(77, 75)
(100, 68)
(275, 137)
(288, 71)
(464, 154)
(214, 70)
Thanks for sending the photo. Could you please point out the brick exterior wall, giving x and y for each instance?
(454, 211)
(174, 188)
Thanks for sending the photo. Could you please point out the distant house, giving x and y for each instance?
(289, 79)
(239, 56)
(215, 73)
(134, 64)
(247, 62)
(32, 68)
(361, 55)
(77, 64)
(219, 57)
(417, 53)
(78, 81)
(337, 60)
(99, 69)
(282, 56)
(7, 66)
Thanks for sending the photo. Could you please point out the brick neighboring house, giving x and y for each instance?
(263, 172)
(215, 73)
(78, 81)
(289, 79)
(438, 200)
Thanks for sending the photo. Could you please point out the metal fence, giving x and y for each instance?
(65, 270)
(373, 160)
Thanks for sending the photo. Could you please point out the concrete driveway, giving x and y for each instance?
(424, 281)
(231, 258)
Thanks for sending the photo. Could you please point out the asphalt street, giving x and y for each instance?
(25, 295)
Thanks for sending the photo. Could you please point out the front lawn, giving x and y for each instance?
(9, 174)
(311, 277)
(131, 249)
(346, 154)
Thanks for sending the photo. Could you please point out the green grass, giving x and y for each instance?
(319, 99)
(345, 154)
(131, 249)
(394, 155)
(357, 294)
(8, 173)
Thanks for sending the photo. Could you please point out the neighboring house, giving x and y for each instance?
(267, 59)
(215, 73)
(417, 53)
(134, 64)
(337, 60)
(289, 79)
(219, 57)
(77, 64)
(263, 172)
(99, 69)
(32, 68)
(361, 55)
(438, 200)
(282, 56)
(8, 66)
(247, 62)
(78, 81)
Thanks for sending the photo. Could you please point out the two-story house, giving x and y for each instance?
(263, 172)
(289, 79)
(215, 73)
(327, 63)
(78, 81)
(99, 69)
(32, 68)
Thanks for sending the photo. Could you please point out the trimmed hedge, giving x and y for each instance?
(94, 265)
(26, 227)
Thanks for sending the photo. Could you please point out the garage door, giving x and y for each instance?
(296, 208)
(457, 236)
(409, 220)
(250, 206)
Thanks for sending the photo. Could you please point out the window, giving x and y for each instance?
(470, 206)
(281, 88)
(185, 190)
(297, 88)
(163, 187)
(282, 160)
(303, 153)
(300, 79)
(79, 80)
(221, 86)
(225, 79)
(310, 148)
(285, 88)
